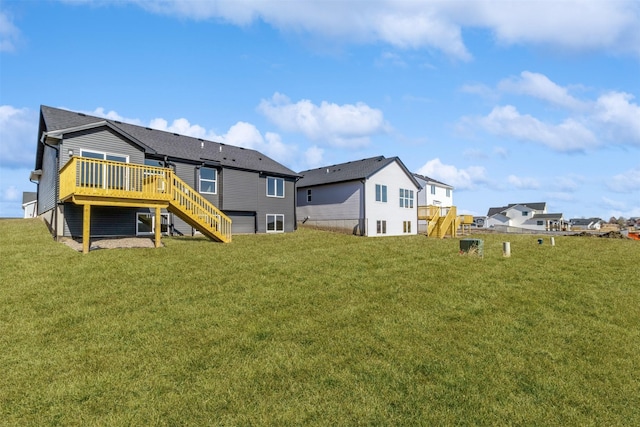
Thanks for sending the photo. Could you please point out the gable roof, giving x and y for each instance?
(538, 206)
(161, 143)
(350, 171)
(431, 180)
(29, 196)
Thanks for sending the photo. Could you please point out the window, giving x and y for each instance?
(275, 223)
(381, 193)
(105, 175)
(448, 192)
(275, 187)
(540, 222)
(433, 189)
(145, 223)
(309, 195)
(208, 180)
(525, 213)
(381, 227)
(406, 226)
(406, 198)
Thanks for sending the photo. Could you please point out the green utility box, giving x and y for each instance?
(472, 245)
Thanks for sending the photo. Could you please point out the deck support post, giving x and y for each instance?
(158, 224)
(86, 229)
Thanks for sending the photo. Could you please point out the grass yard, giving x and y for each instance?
(316, 328)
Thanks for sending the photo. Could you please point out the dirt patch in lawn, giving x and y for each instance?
(111, 243)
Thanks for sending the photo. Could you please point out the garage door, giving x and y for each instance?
(242, 222)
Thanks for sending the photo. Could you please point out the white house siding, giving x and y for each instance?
(440, 197)
(394, 178)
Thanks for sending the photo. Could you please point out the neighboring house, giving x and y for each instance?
(531, 216)
(434, 192)
(29, 204)
(369, 197)
(254, 192)
(578, 224)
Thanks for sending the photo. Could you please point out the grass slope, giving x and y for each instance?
(317, 328)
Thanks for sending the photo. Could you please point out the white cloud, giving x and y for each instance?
(621, 117)
(523, 183)
(609, 26)
(183, 127)
(480, 90)
(540, 86)
(9, 33)
(11, 194)
(314, 156)
(460, 179)
(612, 118)
(18, 137)
(246, 135)
(627, 182)
(112, 115)
(565, 24)
(348, 125)
(506, 121)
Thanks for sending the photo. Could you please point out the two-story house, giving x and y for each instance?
(112, 178)
(370, 197)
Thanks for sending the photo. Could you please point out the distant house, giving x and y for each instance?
(531, 216)
(101, 177)
(370, 197)
(29, 204)
(578, 224)
(432, 193)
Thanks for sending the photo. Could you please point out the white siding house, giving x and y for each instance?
(530, 216)
(434, 192)
(369, 197)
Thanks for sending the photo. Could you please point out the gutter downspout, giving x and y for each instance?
(295, 204)
(43, 139)
(364, 231)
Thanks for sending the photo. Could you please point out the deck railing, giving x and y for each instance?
(117, 181)
(83, 176)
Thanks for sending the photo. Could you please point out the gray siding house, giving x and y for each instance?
(254, 191)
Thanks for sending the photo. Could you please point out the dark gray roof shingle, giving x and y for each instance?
(349, 171)
(172, 144)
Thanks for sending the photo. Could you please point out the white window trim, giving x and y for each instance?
(153, 223)
(104, 154)
(104, 167)
(200, 179)
(275, 222)
(384, 195)
(275, 188)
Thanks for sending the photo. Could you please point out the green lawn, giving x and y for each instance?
(316, 328)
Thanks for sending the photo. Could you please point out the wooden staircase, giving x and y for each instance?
(442, 221)
(93, 182)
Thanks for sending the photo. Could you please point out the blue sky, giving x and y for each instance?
(508, 101)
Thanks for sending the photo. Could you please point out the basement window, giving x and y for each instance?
(381, 226)
(275, 223)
